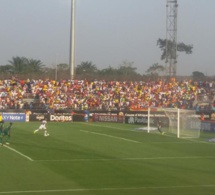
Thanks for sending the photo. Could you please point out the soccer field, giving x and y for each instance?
(107, 159)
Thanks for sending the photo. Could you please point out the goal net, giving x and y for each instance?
(180, 122)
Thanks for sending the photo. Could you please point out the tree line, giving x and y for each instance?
(32, 68)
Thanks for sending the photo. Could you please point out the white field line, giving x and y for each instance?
(115, 137)
(199, 141)
(128, 159)
(90, 124)
(84, 131)
(107, 189)
(188, 139)
(21, 154)
(139, 142)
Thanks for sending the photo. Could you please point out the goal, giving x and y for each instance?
(180, 122)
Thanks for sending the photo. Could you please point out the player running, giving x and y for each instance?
(5, 132)
(1, 132)
(42, 127)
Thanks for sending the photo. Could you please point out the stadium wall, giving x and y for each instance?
(128, 117)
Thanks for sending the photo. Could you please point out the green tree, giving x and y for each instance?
(34, 66)
(155, 69)
(196, 75)
(6, 68)
(86, 69)
(23, 65)
(5, 71)
(63, 67)
(169, 53)
(127, 71)
(18, 65)
(108, 71)
(62, 71)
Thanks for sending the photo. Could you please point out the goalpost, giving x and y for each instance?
(180, 122)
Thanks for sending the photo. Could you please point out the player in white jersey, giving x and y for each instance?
(42, 127)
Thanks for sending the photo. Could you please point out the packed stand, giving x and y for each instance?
(102, 95)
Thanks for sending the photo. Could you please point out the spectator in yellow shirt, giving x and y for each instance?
(1, 119)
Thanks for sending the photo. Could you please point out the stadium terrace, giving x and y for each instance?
(105, 95)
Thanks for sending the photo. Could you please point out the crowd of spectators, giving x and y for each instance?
(106, 95)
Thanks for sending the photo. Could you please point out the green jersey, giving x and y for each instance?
(1, 128)
(6, 131)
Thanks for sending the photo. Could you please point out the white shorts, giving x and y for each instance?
(42, 127)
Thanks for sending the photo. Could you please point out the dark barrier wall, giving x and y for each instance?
(64, 117)
(38, 117)
(78, 118)
(60, 117)
(208, 126)
(108, 118)
(130, 117)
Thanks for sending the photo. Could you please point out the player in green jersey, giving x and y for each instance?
(1, 132)
(6, 132)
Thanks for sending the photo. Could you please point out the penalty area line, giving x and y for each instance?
(21, 154)
(129, 159)
(102, 134)
(108, 189)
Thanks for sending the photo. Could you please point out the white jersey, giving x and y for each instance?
(43, 124)
(42, 127)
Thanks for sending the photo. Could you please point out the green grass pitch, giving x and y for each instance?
(105, 158)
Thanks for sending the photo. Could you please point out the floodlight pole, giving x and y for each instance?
(171, 35)
(72, 41)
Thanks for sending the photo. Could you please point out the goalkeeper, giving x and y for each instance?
(5, 132)
(159, 126)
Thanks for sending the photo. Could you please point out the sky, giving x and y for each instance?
(107, 32)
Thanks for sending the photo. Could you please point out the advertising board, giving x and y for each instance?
(14, 117)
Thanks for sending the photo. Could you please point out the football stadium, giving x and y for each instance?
(75, 128)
